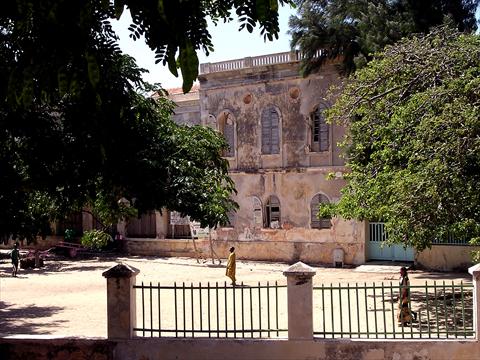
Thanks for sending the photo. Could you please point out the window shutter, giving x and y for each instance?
(257, 212)
(266, 133)
(275, 131)
(273, 212)
(229, 134)
(320, 131)
(314, 220)
(270, 132)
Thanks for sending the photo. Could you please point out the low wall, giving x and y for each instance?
(447, 257)
(164, 247)
(46, 348)
(312, 252)
(40, 244)
(211, 349)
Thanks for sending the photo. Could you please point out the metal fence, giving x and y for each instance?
(377, 233)
(451, 239)
(370, 311)
(211, 310)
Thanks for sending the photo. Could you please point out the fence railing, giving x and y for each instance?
(377, 233)
(211, 310)
(452, 240)
(370, 311)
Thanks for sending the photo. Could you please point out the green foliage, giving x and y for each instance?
(413, 145)
(357, 29)
(69, 235)
(96, 239)
(77, 126)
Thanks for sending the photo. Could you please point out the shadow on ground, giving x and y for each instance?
(25, 320)
(54, 266)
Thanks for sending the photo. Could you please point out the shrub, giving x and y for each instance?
(96, 239)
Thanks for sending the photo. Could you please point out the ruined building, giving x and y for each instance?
(281, 152)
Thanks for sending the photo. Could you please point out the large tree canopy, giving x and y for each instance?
(76, 128)
(413, 144)
(359, 28)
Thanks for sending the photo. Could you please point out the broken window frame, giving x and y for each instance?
(272, 212)
(228, 131)
(320, 130)
(315, 222)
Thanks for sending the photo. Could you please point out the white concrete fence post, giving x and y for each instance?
(475, 272)
(121, 301)
(300, 304)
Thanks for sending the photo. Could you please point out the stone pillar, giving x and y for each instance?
(300, 305)
(475, 272)
(121, 304)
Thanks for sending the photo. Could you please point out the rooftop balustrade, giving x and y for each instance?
(256, 61)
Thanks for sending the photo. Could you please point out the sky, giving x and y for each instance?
(228, 42)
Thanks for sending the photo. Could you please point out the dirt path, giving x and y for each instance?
(68, 297)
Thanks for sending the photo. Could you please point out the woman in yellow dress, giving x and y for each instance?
(231, 265)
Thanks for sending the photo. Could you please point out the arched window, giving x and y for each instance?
(257, 212)
(315, 222)
(320, 130)
(272, 213)
(226, 125)
(270, 131)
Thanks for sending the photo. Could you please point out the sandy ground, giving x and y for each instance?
(68, 297)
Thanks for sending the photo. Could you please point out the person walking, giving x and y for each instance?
(15, 256)
(231, 266)
(405, 314)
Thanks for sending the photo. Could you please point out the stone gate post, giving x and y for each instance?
(121, 302)
(475, 272)
(300, 304)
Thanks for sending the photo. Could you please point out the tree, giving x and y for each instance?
(77, 127)
(413, 145)
(357, 29)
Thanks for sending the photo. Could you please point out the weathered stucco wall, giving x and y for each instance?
(245, 93)
(447, 257)
(219, 349)
(319, 251)
(164, 247)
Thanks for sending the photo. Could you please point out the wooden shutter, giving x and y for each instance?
(270, 131)
(320, 131)
(257, 212)
(229, 134)
(273, 211)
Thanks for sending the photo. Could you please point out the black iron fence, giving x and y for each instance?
(371, 311)
(211, 310)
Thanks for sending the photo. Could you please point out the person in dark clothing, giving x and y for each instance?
(15, 256)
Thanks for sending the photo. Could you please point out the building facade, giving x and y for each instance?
(281, 152)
